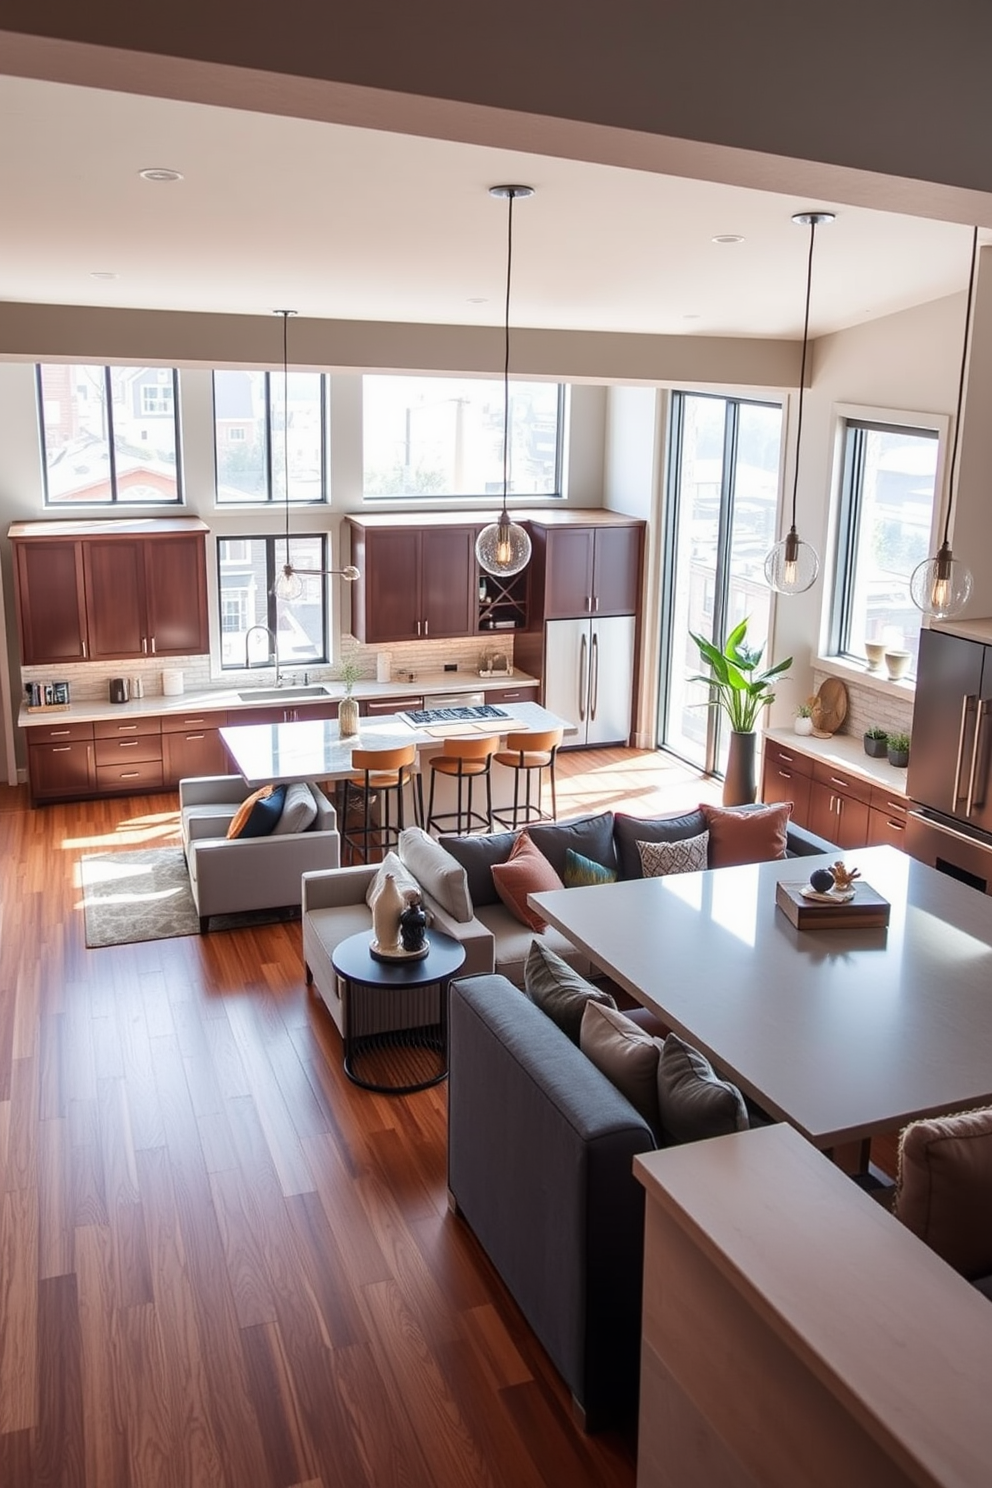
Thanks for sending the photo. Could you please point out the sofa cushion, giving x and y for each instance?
(580, 872)
(592, 836)
(749, 836)
(626, 1055)
(944, 1192)
(658, 859)
(335, 924)
(693, 1100)
(477, 854)
(512, 942)
(526, 871)
(437, 873)
(558, 989)
(299, 809)
(630, 830)
(258, 813)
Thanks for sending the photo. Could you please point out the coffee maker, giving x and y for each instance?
(119, 690)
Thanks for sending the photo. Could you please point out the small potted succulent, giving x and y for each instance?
(803, 722)
(876, 742)
(898, 750)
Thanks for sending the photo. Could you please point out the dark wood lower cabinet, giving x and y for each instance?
(838, 817)
(61, 770)
(199, 751)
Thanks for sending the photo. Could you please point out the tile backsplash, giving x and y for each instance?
(868, 705)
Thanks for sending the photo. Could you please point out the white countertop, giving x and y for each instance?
(843, 752)
(231, 699)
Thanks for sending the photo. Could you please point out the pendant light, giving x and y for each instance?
(289, 583)
(503, 548)
(792, 565)
(941, 586)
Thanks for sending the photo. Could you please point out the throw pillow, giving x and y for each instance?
(592, 836)
(526, 871)
(580, 871)
(626, 1055)
(390, 864)
(437, 873)
(661, 858)
(299, 810)
(258, 813)
(944, 1193)
(747, 836)
(558, 990)
(477, 854)
(693, 1100)
(630, 830)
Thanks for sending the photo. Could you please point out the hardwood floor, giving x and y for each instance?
(220, 1262)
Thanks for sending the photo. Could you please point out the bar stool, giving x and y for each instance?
(382, 774)
(465, 760)
(528, 753)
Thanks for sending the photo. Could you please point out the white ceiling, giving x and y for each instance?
(344, 223)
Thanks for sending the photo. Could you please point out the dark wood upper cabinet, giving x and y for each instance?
(120, 592)
(51, 607)
(416, 584)
(592, 571)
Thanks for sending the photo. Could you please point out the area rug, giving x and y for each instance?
(144, 894)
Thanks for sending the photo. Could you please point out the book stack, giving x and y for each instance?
(864, 910)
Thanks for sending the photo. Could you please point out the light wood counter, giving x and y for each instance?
(794, 1333)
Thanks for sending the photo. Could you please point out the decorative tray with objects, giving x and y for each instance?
(834, 898)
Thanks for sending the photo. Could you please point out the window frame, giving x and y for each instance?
(275, 557)
(270, 498)
(481, 498)
(115, 498)
(849, 461)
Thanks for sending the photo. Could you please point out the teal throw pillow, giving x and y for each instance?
(581, 871)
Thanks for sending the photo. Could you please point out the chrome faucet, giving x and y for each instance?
(275, 650)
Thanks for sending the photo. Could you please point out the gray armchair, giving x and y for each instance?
(243, 873)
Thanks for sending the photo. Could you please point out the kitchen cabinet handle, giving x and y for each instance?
(967, 703)
(127, 728)
(59, 734)
(194, 738)
(418, 627)
(129, 774)
(583, 677)
(62, 749)
(144, 644)
(427, 628)
(897, 826)
(509, 697)
(839, 780)
(128, 744)
(153, 645)
(194, 722)
(785, 774)
(976, 754)
(595, 677)
(786, 759)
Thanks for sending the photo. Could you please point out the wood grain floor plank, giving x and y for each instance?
(281, 1136)
(55, 1231)
(145, 1112)
(284, 1435)
(501, 1362)
(18, 1309)
(237, 1218)
(103, 1386)
(22, 1136)
(51, 1102)
(59, 1452)
(322, 1275)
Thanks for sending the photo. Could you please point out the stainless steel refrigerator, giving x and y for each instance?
(589, 676)
(950, 757)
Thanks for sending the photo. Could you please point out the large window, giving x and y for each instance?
(443, 436)
(109, 434)
(250, 428)
(246, 570)
(884, 531)
(723, 483)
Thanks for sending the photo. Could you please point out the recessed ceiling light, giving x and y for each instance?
(103, 274)
(727, 238)
(160, 173)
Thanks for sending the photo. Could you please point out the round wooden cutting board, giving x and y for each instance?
(830, 707)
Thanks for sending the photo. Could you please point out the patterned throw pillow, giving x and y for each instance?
(258, 813)
(581, 871)
(661, 858)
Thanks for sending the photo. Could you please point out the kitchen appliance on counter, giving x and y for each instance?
(468, 708)
(119, 690)
(950, 761)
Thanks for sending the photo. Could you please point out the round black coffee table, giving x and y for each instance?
(396, 1013)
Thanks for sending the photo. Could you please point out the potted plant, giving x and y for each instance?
(743, 691)
(349, 672)
(803, 723)
(876, 742)
(898, 750)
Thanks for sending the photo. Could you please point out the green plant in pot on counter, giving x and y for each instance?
(743, 690)
(898, 749)
(349, 671)
(876, 742)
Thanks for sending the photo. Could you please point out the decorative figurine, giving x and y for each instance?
(844, 877)
(413, 923)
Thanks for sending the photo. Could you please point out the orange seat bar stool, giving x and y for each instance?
(466, 760)
(527, 754)
(380, 775)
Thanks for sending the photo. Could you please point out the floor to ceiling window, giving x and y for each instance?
(722, 505)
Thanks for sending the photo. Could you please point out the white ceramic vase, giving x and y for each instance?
(348, 717)
(389, 905)
(802, 725)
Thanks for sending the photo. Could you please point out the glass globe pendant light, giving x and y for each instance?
(941, 586)
(288, 585)
(792, 565)
(503, 548)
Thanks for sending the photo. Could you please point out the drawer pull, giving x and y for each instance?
(894, 806)
(508, 697)
(59, 734)
(130, 774)
(62, 749)
(194, 738)
(193, 723)
(897, 826)
(127, 728)
(785, 774)
(838, 780)
(129, 744)
(787, 759)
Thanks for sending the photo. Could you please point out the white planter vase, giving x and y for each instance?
(803, 725)
(348, 717)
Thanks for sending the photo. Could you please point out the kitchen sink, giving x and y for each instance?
(283, 694)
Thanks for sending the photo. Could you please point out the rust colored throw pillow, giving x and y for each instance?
(944, 1193)
(746, 836)
(258, 813)
(526, 871)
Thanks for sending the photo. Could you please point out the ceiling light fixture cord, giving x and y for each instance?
(285, 413)
(506, 353)
(964, 364)
(802, 369)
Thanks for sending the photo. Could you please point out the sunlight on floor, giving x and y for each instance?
(134, 831)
